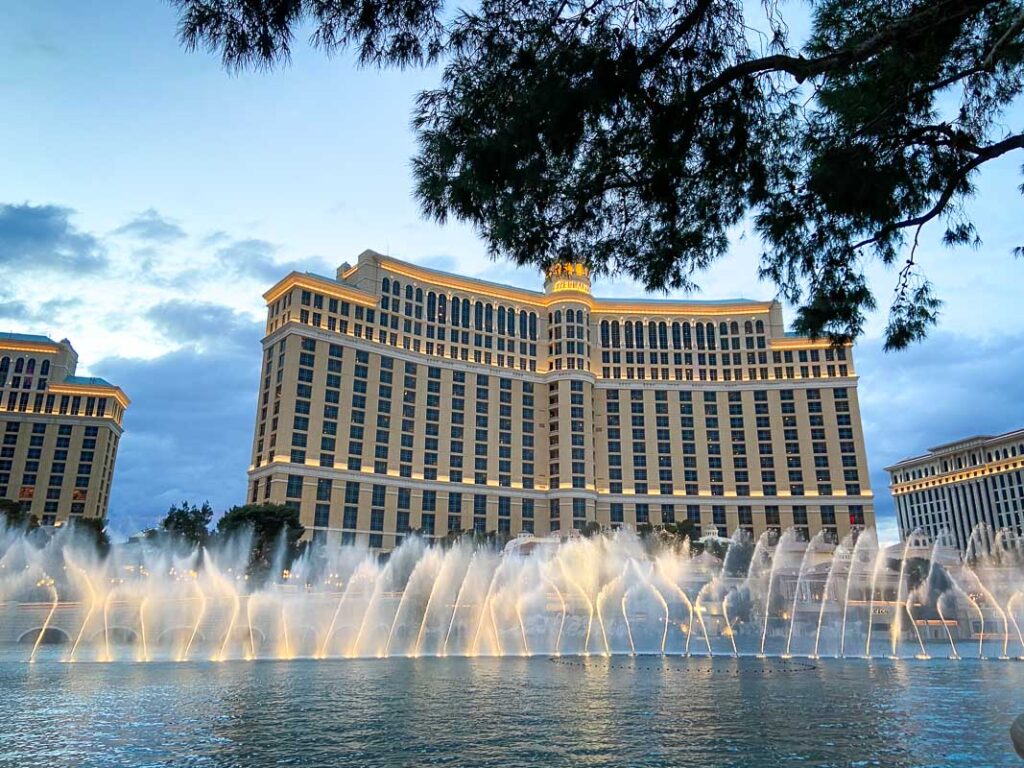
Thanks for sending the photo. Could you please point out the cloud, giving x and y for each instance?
(485, 268)
(949, 387)
(11, 309)
(188, 431)
(47, 313)
(41, 237)
(150, 225)
(205, 324)
(254, 258)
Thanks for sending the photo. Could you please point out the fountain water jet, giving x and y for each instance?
(541, 597)
(48, 582)
(818, 538)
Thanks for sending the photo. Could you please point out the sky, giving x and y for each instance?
(148, 199)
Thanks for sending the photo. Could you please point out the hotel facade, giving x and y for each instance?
(60, 431)
(955, 486)
(395, 398)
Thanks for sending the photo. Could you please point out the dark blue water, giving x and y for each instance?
(511, 712)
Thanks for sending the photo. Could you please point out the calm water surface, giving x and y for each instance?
(510, 712)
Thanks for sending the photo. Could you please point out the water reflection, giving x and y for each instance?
(597, 711)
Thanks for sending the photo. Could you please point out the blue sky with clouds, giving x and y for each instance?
(147, 199)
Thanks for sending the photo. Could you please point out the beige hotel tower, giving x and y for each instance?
(59, 431)
(395, 398)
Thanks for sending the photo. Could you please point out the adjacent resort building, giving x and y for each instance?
(955, 486)
(60, 431)
(395, 398)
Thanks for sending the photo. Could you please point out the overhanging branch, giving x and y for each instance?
(985, 154)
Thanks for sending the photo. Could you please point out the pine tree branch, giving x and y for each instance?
(802, 68)
(987, 153)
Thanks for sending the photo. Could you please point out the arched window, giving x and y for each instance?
(408, 292)
(396, 289)
(615, 334)
(465, 313)
(478, 315)
(488, 318)
(431, 307)
(663, 335)
(442, 308)
(652, 335)
(19, 366)
(558, 317)
(385, 285)
(748, 327)
(5, 366)
(31, 367)
(677, 339)
(687, 339)
(45, 370)
(711, 335)
(456, 310)
(723, 329)
(571, 316)
(419, 295)
(533, 326)
(760, 326)
(734, 328)
(699, 328)
(638, 334)
(511, 321)
(606, 335)
(628, 327)
(501, 319)
(522, 325)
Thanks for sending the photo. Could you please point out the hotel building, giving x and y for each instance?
(955, 486)
(396, 398)
(60, 431)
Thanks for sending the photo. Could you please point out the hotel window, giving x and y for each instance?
(643, 514)
(323, 489)
(616, 512)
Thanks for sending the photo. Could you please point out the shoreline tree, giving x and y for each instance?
(94, 531)
(12, 516)
(186, 524)
(269, 524)
(636, 134)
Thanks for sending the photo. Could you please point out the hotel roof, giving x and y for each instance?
(32, 337)
(90, 381)
(972, 441)
(388, 262)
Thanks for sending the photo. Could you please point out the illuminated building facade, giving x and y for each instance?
(60, 431)
(395, 398)
(956, 486)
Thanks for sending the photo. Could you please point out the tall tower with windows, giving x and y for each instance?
(396, 398)
(60, 432)
(570, 391)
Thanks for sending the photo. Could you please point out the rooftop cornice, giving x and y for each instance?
(94, 390)
(324, 285)
(597, 305)
(954, 447)
(29, 346)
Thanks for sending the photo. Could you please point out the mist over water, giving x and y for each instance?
(614, 594)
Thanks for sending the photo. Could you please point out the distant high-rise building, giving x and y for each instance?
(955, 486)
(59, 431)
(395, 398)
